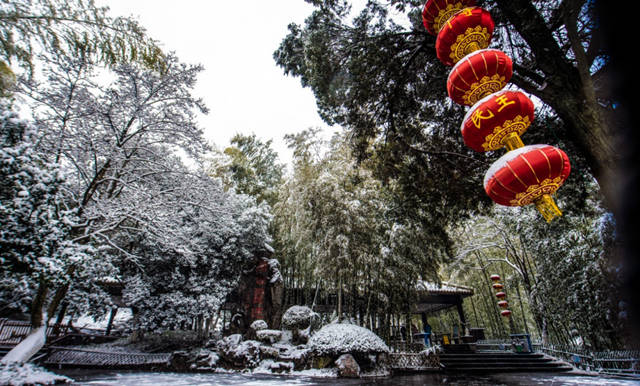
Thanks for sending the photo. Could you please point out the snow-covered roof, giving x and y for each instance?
(444, 288)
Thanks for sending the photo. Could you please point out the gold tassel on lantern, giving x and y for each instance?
(512, 141)
(547, 207)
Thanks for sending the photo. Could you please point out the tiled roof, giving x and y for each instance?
(444, 288)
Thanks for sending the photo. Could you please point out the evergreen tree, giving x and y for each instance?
(377, 75)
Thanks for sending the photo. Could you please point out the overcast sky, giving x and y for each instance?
(234, 40)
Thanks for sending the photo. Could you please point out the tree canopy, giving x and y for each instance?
(76, 27)
(376, 74)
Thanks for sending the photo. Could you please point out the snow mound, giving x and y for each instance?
(340, 338)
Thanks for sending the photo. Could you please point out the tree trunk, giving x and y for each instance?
(112, 315)
(37, 304)
(339, 307)
(565, 91)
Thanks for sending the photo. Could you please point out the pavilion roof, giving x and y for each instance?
(444, 288)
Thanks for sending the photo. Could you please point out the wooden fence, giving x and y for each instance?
(68, 357)
(13, 332)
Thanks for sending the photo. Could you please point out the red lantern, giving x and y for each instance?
(479, 74)
(505, 313)
(497, 286)
(501, 295)
(498, 120)
(527, 175)
(503, 304)
(467, 31)
(437, 12)
(495, 277)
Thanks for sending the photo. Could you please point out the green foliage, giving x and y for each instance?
(336, 223)
(251, 167)
(75, 28)
(377, 75)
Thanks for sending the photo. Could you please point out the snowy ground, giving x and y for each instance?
(179, 379)
(122, 317)
(29, 374)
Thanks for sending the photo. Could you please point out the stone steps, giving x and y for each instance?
(501, 362)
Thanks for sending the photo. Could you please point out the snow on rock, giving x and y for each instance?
(330, 372)
(269, 336)
(274, 269)
(339, 338)
(238, 353)
(207, 359)
(29, 374)
(258, 325)
(286, 337)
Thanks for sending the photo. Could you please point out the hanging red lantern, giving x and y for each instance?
(505, 313)
(495, 277)
(501, 295)
(503, 304)
(479, 74)
(498, 120)
(527, 175)
(436, 12)
(467, 31)
(497, 286)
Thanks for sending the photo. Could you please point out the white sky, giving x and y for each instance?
(234, 40)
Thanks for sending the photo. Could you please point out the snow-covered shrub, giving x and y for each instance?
(297, 317)
(338, 338)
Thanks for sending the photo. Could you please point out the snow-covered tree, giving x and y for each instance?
(168, 234)
(35, 248)
(75, 27)
(200, 239)
(108, 140)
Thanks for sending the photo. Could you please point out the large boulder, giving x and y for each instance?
(180, 361)
(238, 353)
(256, 326)
(347, 366)
(206, 359)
